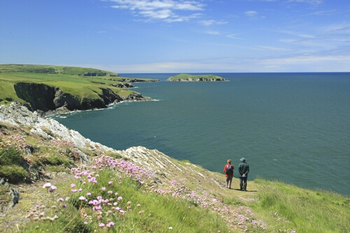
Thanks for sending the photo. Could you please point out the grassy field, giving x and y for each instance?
(115, 195)
(78, 82)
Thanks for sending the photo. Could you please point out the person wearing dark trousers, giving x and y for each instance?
(228, 170)
(243, 170)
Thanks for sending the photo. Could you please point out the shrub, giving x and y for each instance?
(13, 173)
(9, 155)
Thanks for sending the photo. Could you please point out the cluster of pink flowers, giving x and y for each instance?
(106, 201)
(18, 142)
(49, 187)
(237, 218)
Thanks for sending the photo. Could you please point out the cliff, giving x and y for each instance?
(47, 98)
(56, 88)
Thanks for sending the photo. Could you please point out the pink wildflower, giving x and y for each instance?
(52, 188)
(47, 185)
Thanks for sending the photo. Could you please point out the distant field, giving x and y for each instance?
(76, 81)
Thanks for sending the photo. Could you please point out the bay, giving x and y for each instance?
(291, 127)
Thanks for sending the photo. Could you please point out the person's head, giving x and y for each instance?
(242, 159)
(229, 161)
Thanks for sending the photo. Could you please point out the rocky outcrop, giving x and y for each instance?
(41, 97)
(196, 78)
(64, 101)
(18, 115)
(12, 192)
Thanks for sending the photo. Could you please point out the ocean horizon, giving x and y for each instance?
(291, 127)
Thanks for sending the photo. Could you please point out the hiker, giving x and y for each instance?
(243, 170)
(228, 169)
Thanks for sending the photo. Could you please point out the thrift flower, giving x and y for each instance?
(47, 185)
(52, 188)
(110, 224)
(82, 198)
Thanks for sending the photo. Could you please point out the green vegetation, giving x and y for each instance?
(10, 159)
(133, 200)
(302, 209)
(47, 69)
(195, 78)
(132, 209)
(85, 85)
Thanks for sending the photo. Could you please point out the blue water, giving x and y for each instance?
(292, 127)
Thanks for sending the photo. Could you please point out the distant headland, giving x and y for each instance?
(47, 88)
(195, 78)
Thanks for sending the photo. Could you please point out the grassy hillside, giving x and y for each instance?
(48, 69)
(195, 78)
(81, 83)
(113, 194)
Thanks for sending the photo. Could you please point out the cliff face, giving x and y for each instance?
(39, 96)
(47, 98)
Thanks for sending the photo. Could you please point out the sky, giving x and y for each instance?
(178, 36)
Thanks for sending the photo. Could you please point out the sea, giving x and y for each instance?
(290, 127)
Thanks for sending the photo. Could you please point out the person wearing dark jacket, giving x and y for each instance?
(243, 170)
(228, 170)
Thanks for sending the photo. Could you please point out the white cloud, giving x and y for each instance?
(211, 22)
(213, 32)
(166, 10)
(274, 48)
(293, 63)
(234, 36)
(250, 13)
(298, 34)
(312, 2)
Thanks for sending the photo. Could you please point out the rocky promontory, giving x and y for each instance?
(59, 89)
(45, 98)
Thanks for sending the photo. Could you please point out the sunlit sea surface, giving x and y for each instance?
(291, 127)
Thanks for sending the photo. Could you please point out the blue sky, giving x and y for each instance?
(136, 36)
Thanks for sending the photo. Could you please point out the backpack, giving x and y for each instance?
(229, 170)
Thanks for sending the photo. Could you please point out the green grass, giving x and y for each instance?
(70, 80)
(10, 160)
(49, 69)
(145, 211)
(302, 209)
